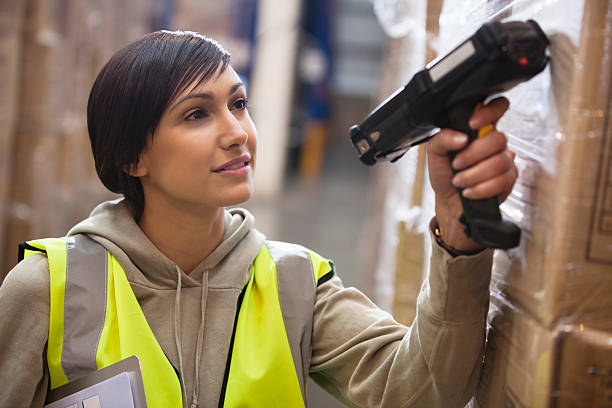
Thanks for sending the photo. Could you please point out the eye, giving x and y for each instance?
(241, 104)
(197, 114)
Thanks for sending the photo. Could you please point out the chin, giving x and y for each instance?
(239, 198)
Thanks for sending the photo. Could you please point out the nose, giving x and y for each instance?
(233, 133)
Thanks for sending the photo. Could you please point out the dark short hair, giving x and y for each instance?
(131, 93)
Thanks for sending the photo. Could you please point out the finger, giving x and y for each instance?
(486, 169)
(500, 186)
(479, 149)
(490, 113)
(446, 141)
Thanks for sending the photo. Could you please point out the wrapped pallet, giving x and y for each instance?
(11, 25)
(49, 183)
(51, 52)
(408, 198)
(561, 274)
(550, 324)
(411, 261)
(529, 365)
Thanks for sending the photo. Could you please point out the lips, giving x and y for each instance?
(234, 164)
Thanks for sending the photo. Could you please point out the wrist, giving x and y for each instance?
(451, 250)
(451, 232)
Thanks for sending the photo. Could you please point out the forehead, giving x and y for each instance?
(218, 82)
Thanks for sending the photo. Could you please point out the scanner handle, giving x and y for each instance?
(482, 219)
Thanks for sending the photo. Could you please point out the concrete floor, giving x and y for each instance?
(328, 217)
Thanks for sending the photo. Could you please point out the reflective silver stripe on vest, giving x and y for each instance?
(84, 304)
(297, 291)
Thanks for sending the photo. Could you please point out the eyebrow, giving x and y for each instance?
(205, 95)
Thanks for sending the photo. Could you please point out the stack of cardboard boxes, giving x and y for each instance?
(550, 324)
(413, 244)
(397, 228)
(50, 53)
(55, 49)
(549, 341)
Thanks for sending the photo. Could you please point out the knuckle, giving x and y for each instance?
(513, 176)
(514, 171)
(501, 100)
(510, 156)
(500, 139)
(509, 181)
(500, 184)
(501, 164)
(492, 187)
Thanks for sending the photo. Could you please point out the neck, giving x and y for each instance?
(186, 236)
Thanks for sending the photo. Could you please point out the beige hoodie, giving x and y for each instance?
(359, 353)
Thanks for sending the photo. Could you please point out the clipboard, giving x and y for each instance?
(117, 386)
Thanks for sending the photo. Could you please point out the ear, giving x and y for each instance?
(138, 169)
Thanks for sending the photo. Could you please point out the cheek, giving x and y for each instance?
(252, 142)
(183, 159)
(253, 147)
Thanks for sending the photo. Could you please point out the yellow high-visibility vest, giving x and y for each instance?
(95, 321)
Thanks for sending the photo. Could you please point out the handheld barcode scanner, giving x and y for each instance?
(445, 95)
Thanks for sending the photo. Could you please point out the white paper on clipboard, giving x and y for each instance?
(116, 386)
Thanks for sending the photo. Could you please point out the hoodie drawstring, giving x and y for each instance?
(177, 336)
(177, 329)
(203, 300)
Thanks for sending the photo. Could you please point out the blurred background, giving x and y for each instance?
(313, 69)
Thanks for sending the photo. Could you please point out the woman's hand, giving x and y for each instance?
(485, 169)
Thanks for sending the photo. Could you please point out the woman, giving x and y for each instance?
(217, 315)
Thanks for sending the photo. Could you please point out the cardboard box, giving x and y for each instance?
(413, 243)
(528, 365)
(61, 46)
(550, 336)
(559, 126)
(409, 261)
(47, 177)
(11, 22)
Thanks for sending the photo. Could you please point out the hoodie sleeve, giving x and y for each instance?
(363, 357)
(24, 324)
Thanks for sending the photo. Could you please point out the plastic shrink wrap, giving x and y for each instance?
(407, 205)
(550, 324)
(560, 128)
(528, 365)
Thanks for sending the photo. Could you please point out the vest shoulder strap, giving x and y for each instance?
(95, 319)
(296, 257)
(271, 347)
(78, 283)
(299, 272)
(25, 249)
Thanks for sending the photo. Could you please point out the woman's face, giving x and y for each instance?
(203, 151)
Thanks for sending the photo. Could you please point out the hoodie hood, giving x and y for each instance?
(112, 225)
